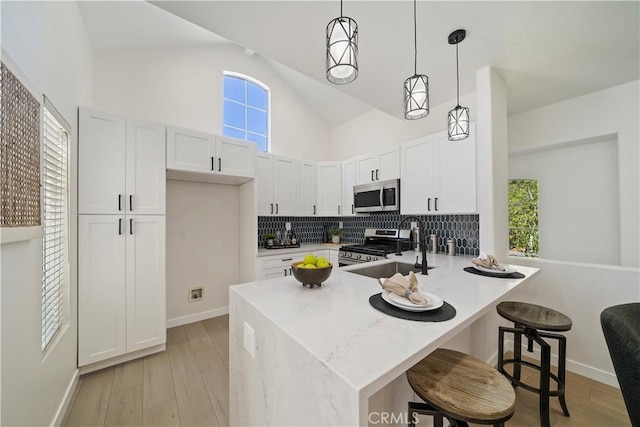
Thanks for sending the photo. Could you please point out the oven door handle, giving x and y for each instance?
(381, 202)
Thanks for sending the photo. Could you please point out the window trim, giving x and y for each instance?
(257, 83)
(64, 299)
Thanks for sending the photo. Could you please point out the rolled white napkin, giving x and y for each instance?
(487, 261)
(407, 288)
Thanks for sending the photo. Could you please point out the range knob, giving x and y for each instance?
(358, 256)
(368, 257)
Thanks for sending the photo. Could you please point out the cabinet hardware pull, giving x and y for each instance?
(314, 209)
(271, 208)
(377, 179)
(130, 202)
(212, 162)
(338, 209)
(352, 209)
(429, 204)
(119, 226)
(287, 259)
(119, 202)
(372, 175)
(285, 272)
(277, 209)
(219, 164)
(435, 204)
(130, 225)
(290, 273)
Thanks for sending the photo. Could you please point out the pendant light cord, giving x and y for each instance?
(415, 40)
(457, 77)
(340, 8)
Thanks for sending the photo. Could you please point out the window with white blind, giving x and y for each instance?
(55, 254)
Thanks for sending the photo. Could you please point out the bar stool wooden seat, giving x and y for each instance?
(461, 388)
(529, 320)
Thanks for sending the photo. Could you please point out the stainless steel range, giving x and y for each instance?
(378, 243)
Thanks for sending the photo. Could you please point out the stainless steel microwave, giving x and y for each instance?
(379, 196)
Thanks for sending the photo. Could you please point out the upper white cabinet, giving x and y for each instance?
(206, 157)
(379, 166)
(329, 185)
(121, 165)
(348, 181)
(438, 175)
(276, 184)
(307, 205)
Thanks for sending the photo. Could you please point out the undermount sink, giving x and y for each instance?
(387, 270)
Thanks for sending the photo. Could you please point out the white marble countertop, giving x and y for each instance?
(365, 347)
(307, 247)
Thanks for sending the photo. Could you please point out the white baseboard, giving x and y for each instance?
(64, 404)
(576, 367)
(183, 320)
(122, 359)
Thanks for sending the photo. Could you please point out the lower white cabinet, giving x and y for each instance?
(273, 266)
(121, 285)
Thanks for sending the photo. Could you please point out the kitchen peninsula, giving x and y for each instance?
(301, 356)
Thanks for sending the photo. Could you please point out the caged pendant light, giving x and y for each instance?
(416, 87)
(459, 116)
(342, 50)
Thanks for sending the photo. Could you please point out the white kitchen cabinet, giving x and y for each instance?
(438, 175)
(280, 265)
(381, 165)
(307, 188)
(329, 188)
(121, 292)
(276, 184)
(200, 155)
(348, 181)
(121, 165)
(334, 257)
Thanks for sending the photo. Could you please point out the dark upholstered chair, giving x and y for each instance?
(621, 327)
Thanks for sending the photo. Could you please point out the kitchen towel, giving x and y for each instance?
(515, 275)
(446, 312)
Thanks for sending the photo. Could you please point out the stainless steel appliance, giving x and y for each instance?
(378, 243)
(379, 196)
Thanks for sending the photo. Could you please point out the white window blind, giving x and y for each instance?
(56, 224)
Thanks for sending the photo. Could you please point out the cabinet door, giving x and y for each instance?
(348, 181)
(388, 164)
(146, 168)
(366, 168)
(191, 151)
(101, 163)
(101, 288)
(285, 186)
(307, 189)
(145, 281)
(456, 179)
(264, 184)
(329, 194)
(272, 273)
(235, 157)
(417, 192)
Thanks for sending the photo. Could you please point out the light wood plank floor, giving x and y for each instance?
(188, 385)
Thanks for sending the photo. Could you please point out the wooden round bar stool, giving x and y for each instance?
(461, 388)
(529, 320)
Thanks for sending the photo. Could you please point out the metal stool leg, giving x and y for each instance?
(517, 351)
(545, 379)
(500, 350)
(562, 362)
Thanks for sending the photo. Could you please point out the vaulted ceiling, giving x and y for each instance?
(546, 51)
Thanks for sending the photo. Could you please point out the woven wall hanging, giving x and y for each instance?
(20, 154)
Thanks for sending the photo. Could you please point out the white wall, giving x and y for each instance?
(376, 129)
(578, 206)
(208, 215)
(611, 111)
(183, 87)
(56, 58)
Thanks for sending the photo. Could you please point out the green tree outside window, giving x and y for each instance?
(523, 218)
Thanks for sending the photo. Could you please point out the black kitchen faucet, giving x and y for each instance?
(423, 246)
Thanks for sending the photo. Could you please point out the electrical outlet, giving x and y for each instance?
(182, 235)
(287, 226)
(249, 339)
(196, 294)
(340, 225)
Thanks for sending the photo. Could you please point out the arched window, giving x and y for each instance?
(246, 109)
